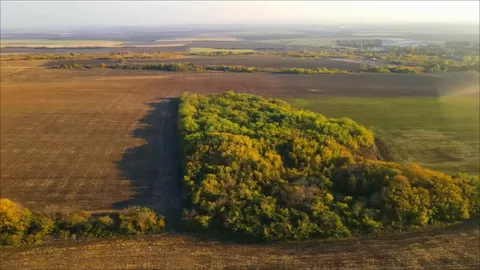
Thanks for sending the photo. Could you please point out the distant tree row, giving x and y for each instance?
(232, 68)
(183, 67)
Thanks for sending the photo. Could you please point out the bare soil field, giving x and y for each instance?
(263, 61)
(87, 145)
(451, 248)
(83, 138)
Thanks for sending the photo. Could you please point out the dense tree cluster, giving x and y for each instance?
(19, 225)
(258, 168)
(72, 66)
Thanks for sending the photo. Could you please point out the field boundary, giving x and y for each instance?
(154, 167)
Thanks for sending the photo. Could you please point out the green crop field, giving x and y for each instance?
(439, 133)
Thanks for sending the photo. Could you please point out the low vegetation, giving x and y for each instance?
(392, 69)
(19, 225)
(258, 168)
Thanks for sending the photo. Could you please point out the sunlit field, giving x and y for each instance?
(439, 133)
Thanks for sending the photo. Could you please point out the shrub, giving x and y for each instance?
(41, 227)
(14, 221)
(140, 221)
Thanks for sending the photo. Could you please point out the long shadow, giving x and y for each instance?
(154, 167)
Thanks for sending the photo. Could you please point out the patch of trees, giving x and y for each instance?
(258, 168)
(72, 66)
(392, 69)
(19, 225)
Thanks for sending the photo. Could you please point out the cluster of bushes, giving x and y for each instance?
(159, 66)
(317, 70)
(258, 168)
(19, 225)
(72, 66)
(393, 69)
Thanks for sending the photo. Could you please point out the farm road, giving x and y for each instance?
(154, 167)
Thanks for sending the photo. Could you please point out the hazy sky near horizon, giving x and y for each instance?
(44, 14)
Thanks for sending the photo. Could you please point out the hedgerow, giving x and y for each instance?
(258, 168)
(232, 68)
(19, 225)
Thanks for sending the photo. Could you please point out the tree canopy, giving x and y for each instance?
(259, 168)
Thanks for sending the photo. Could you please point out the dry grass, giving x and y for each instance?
(451, 248)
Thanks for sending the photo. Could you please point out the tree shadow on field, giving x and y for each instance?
(154, 167)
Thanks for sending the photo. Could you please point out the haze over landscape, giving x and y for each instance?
(239, 135)
(43, 14)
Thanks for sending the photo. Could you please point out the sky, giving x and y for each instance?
(44, 14)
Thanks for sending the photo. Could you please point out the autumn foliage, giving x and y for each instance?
(19, 225)
(258, 168)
